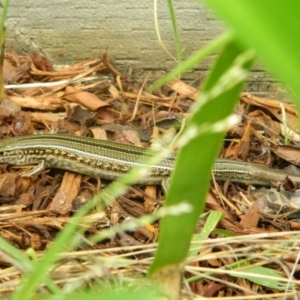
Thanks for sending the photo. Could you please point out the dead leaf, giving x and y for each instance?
(8, 185)
(22, 124)
(106, 115)
(8, 108)
(45, 118)
(76, 112)
(252, 216)
(99, 133)
(41, 62)
(274, 107)
(288, 153)
(132, 136)
(184, 89)
(88, 100)
(14, 70)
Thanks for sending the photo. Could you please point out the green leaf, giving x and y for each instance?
(262, 276)
(175, 31)
(3, 18)
(212, 221)
(200, 146)
(272, 29)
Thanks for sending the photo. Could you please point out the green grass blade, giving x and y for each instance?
(201, 143)
(19, 259)
(175, 31)
(156, 27)
(272, 29)
(263, 276)
(212, 221)
(3, 18)
(244, 263)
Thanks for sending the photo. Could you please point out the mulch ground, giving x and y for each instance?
(92, 98)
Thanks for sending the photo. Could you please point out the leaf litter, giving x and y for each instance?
(93, 98)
